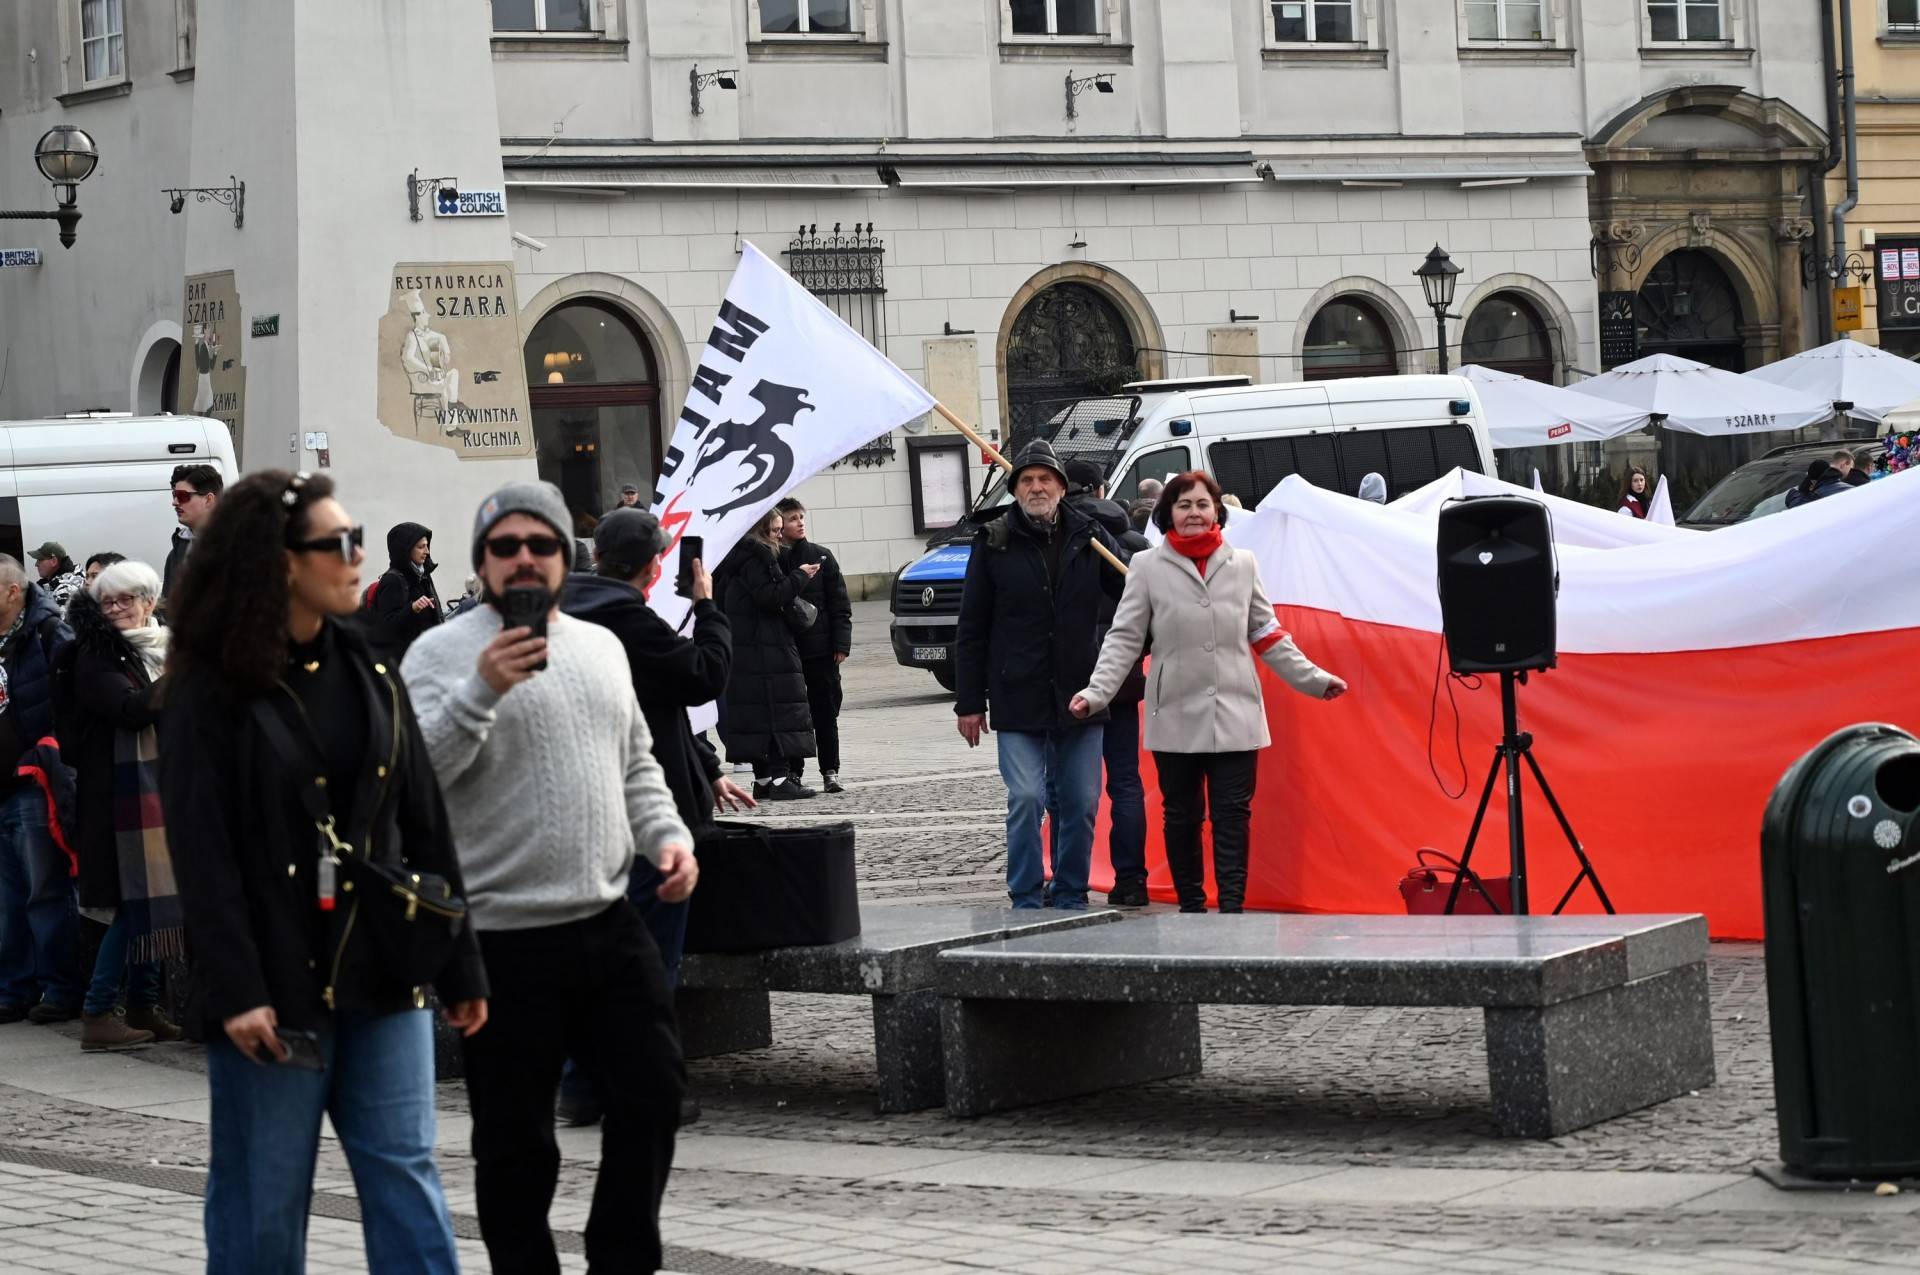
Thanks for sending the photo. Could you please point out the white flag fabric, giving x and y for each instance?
(1661, 511)
(784, 389)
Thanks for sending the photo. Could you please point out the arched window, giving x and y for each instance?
(1687, 307)
(158, 387)
(1506, 332)
(595, 394)
(1069, 342)
(1348, 338)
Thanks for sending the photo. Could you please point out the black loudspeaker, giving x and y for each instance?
(1498, 584)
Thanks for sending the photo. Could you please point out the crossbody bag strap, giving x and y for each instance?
(313, 793)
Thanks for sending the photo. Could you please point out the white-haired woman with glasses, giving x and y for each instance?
(297, 791)
(105, 712)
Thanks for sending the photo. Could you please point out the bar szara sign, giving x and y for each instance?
(210, 320)
(451, 370)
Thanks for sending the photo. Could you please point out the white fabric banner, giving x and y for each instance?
(1763, 581)
(1661, 512)
(784, 389)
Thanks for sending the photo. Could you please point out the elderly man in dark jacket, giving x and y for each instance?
(1120, 745)
(826, 644)
(39, 918)
(1029, 625)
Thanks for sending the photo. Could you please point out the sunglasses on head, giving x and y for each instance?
(345, 543)
(510, 546)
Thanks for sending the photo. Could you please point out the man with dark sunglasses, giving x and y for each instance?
(196, 490)
(555, 797)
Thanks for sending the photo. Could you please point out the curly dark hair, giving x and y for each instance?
(228, 609)
(1176, 487)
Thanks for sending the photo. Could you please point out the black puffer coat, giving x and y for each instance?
(398, 624)
(100, 689)
(832, 631)
(766, 702)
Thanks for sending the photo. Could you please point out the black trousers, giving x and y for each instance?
(1216, 786)
(823, 701)
(594, 991)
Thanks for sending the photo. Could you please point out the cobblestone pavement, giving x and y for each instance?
(1317, 1139)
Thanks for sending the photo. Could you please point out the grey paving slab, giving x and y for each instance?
(1201, 1177)
(1011, 1170)
(1389, 1186)
(852, 1160)
(1752, 1195)
(1551, 1189)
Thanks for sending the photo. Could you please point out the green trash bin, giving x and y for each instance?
(1840, 863)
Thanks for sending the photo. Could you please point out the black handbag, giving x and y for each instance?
(764, 887)
(800, 615)
(410, 919)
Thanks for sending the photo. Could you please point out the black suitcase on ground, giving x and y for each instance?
(766, 887)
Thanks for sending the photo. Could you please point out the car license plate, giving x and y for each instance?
(930, 653)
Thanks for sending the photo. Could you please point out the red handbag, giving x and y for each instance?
(1425, 888)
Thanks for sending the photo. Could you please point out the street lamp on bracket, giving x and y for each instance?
(1438, 275)
(66, 156)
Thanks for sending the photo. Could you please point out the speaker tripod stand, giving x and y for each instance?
(1515, 744)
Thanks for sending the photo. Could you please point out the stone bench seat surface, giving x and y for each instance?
(893, 953)
(1487, 961)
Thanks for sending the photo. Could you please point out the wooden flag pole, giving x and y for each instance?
(993, 454)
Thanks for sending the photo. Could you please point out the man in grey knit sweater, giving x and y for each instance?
(552, 790)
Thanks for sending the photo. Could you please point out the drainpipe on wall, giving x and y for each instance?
(1817, 177)
(1846, 205)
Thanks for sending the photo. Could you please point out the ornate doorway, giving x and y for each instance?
(1069, 342)
(595, 395)
(1687, 307)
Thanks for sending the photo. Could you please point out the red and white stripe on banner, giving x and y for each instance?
(1694, 668)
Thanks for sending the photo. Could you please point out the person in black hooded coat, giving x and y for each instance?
(405, 604)
(765, 720)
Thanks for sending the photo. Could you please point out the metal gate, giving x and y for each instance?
(1068, 343)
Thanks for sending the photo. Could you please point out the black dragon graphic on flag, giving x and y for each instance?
(756, 447)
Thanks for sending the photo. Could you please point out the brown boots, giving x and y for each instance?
(152, 1018)
(110, 1031)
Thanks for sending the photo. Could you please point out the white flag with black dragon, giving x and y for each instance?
(784, 389)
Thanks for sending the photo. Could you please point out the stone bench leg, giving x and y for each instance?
(715, 1020)
(906, 1051)
(1582, 1061)
(1002, 1054)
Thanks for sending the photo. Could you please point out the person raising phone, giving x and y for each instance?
(306, 1011)
(555, 796)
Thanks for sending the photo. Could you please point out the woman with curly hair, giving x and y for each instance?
(307, 1012)
(105, 710)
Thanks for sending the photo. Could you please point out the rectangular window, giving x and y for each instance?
(806, 17)
(1406, 457)
(1506, 20)
(1685, 20)
(103, 39)
(1055, 17)
(1156, 465)
(543, 15)
(1315, 21)
(1903, 17)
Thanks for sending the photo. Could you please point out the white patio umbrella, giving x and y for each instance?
(1870, 381)
(1696, 399)
(1525, 413)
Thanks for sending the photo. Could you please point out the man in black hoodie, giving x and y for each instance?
(824, 647)
(403, 601)
(670, 675)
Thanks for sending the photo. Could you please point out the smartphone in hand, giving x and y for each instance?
(526, 607)
(692, 549)
(303, 1049)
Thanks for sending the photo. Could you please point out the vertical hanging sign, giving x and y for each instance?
(211, 326)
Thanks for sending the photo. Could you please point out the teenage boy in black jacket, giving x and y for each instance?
(825, 646)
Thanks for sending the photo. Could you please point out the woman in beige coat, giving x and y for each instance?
(1198, 603)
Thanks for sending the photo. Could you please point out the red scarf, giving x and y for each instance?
(1199, 548)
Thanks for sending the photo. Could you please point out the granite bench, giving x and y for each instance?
(722, 1003)
(1587, 1017)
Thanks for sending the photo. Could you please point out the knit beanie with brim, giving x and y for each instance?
(536, 500)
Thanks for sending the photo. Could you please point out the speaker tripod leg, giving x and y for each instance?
(1579, 851)
(1479, 816)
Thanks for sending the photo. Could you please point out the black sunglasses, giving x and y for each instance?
(345, 543)
(510, 546)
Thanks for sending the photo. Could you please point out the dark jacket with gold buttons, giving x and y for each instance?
(246, 853)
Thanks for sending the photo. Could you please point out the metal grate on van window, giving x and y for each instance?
(1407, 458)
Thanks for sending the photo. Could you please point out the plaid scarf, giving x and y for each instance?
(148, 894)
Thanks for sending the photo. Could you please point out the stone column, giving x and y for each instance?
(1790, 235)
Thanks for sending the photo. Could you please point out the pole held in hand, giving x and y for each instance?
(993, 453)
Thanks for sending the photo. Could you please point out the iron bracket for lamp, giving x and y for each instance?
(1842, 270)
(950, 330)
(1234, 316)
(67, 215)
(234, 197)
(1075, 87)
(727, 79)
(416, 183)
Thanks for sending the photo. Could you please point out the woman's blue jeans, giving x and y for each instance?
(377, 1086)
(111, 969)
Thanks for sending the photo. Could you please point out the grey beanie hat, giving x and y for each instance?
(537, 500)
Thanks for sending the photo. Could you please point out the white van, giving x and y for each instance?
(1408, 429)
(101, 481)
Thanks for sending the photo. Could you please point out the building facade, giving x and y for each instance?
(1882, 252)
(1022, 202)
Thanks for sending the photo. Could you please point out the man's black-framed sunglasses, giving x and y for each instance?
(504, 547)
(345, 543)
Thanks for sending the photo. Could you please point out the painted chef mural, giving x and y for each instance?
(451, 369)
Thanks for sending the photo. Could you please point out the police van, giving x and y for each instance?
(99, 481)
(1408, 429)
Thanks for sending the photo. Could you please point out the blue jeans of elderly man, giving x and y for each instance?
(1065, 763)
